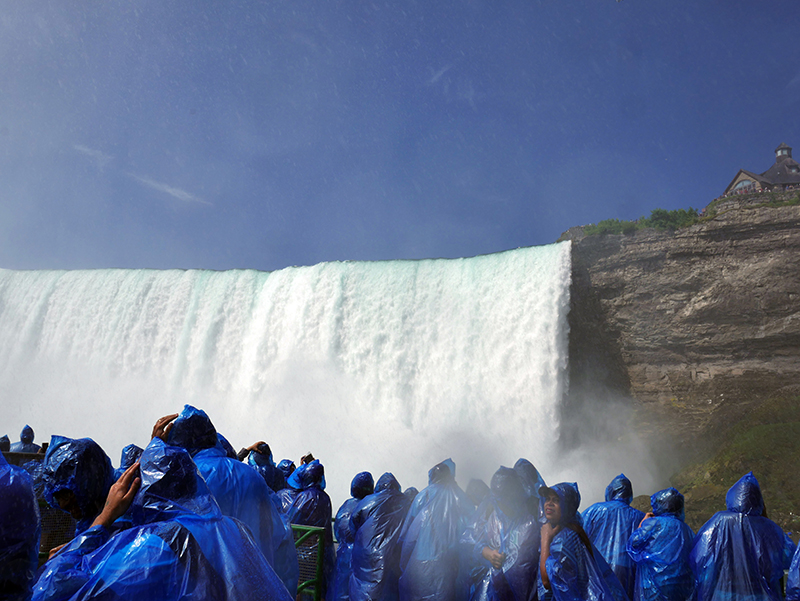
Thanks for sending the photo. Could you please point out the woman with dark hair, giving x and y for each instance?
(570, 567)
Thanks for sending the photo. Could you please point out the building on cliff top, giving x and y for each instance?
(783, 175)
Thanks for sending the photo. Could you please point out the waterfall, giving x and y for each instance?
(380, 366)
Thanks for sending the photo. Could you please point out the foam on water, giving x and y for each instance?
(388, 366)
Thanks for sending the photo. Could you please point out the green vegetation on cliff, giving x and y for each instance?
(767, 443)
(660, 219)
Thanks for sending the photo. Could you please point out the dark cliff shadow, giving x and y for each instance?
(598, 402)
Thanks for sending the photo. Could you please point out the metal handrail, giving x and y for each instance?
(303, 534)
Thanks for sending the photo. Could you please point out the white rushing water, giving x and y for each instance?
(387, 366)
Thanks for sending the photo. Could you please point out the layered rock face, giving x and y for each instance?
(694, 326)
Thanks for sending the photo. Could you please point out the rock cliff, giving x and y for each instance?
(694, 327)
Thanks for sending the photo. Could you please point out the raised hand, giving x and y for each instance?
(120, 496)
(163, 426)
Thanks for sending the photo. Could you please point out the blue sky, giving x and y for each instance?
(211, 134)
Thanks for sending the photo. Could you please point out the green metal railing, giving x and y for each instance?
(310, 544)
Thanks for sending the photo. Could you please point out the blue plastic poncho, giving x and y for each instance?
(430, 537)
(193, 431)
(25, 444)
(262, 462)
(660, 549)
(5, 443)
(130, 455)
(376, 522)
(610, 525)
(361, 486)
(19, 533)
(575, 568)
(240, 492)
(228, 447)
(286, 497)
(793, 582)
(532, 481)
(739, 553)
(287, 467)
(35, 470)
(81, 467)
(504, 523)
(410, 494)
(181, 548)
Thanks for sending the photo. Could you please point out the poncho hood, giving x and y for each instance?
(442, 472)
(130, 455)
(387, 482)
(80, 466)
(569, 499)
(192, 430)
(531, 478)
(171, 486)
(362, 485)
(307, 476)
(745, 496)
(620, 489)
(668, 502)
(262, 457)
(287, 466)
(26, 435)
(508, 491)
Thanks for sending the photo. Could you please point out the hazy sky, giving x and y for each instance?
(263, 134)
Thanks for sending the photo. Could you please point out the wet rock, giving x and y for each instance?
(695, 325)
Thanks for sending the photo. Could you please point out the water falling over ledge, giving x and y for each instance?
(385, 366)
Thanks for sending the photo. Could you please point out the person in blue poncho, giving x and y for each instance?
(130, 455)
(260, 459)
(5, 443)
(793, 582)
(660, 549)
(376, 523)
(429, 540)
(181, 547)
(25, 444)
(477, 490)
(240, 492)
(740, 553)
(570, 567)
(76, 476)
(19, 533)
(361, 486)
(311, 506)
(610, 524)
(287, 467)
(532, 481)
(501, 545)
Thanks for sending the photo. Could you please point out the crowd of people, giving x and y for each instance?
(189, 518)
